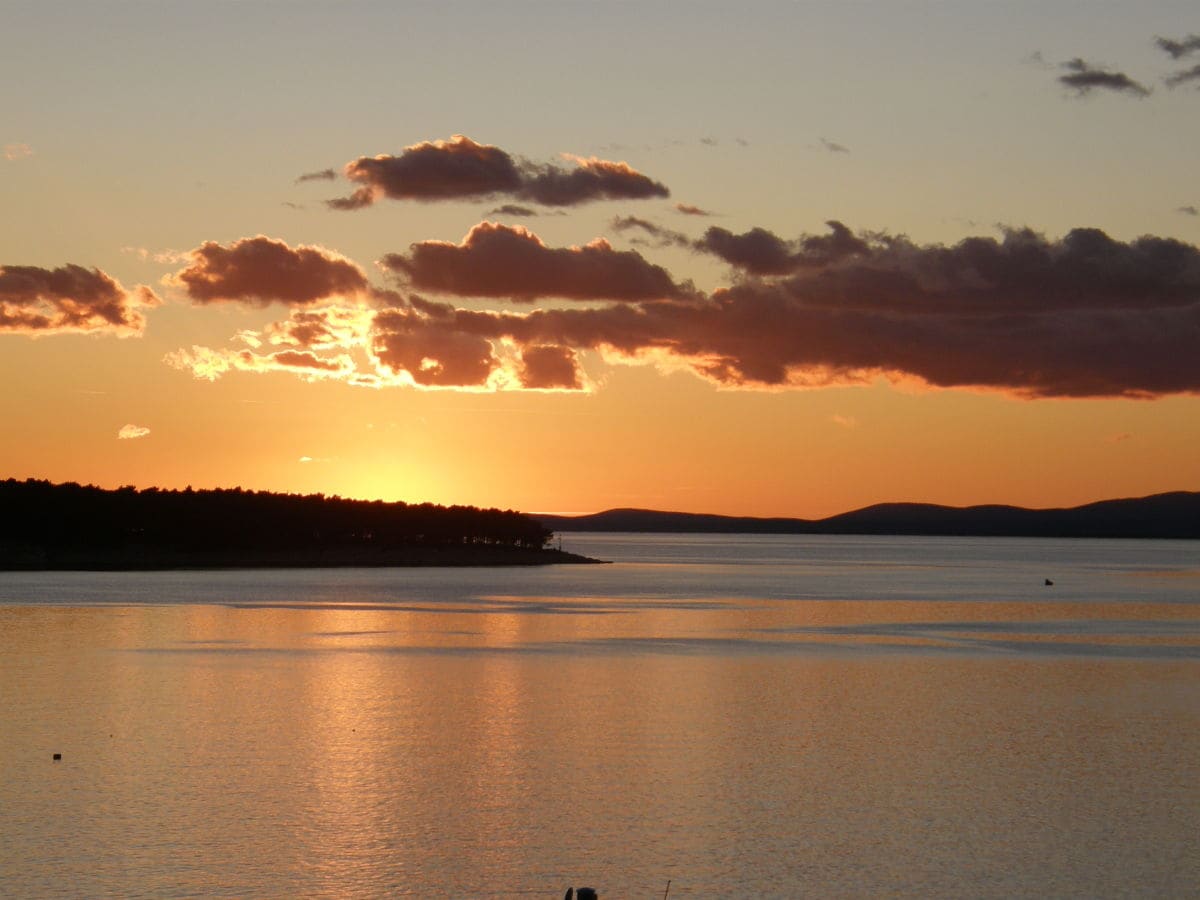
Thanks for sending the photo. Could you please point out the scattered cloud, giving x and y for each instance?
(1188, 210)
(497, 260)
(709, 141)
(259, 271)
(13, 152)
(1181, 48)
(330, 328)
(460, 169)
(844, 421)
(322, 175)
(688, 209)
(663, 237)
(1184, 77)
(1119, 438)
(209, 364)
(170, 257)
(132, 432)
(833, 146)
(550, 367)
(761, 252)
(430, 351)
(71, 298)
(513, 209)
(1084, 77)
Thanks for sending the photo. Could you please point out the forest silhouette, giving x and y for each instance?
(48, 526)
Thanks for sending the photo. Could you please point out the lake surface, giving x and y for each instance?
(744, 716)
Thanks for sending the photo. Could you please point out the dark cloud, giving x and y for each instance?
(591, 179)
(434, 170)
(512, 209)
(71, 298)
(1083, 78)
(259, 271)
(760, 252)
(1179, 49)
(1082, 316)
(432, 352)
(833, 147)
(663, 237)
(1183, 77)
(462, 169)
(1188, 210)
(549, 367)
(688, 209)
(323, 175)
(509, 261)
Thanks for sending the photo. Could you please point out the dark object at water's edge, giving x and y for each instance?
(1172, 515)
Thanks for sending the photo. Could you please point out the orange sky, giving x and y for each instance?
(947, 257)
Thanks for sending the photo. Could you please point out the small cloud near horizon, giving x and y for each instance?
(13, 152)
(833, 146)
(688, 209)
(132, 432)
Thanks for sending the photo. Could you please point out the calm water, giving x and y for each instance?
(766, 716)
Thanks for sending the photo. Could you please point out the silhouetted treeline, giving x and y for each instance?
(64, 519)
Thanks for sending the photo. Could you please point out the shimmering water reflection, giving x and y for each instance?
(361, 734)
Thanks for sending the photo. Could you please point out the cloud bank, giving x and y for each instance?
(1084, 315)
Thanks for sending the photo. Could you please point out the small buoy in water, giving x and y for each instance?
(1049, 583)
(57, 757)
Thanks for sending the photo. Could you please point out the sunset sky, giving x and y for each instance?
(754, 259)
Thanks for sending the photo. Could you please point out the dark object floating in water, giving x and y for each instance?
(585, 893)
(57, 757)
(1049, 583)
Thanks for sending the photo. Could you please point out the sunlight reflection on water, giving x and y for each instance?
(726, 725)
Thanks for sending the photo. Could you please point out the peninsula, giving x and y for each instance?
(69, 526)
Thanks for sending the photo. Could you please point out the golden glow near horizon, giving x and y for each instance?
(964, 276)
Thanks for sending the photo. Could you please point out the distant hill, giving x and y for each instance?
(1172, 515)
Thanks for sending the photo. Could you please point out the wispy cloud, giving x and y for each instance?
(1177, 49)
(1084, 77)
(132, 432)
(1185, 77)
(833, 146)
(688, 209)
(13, 152)
(322, 175)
